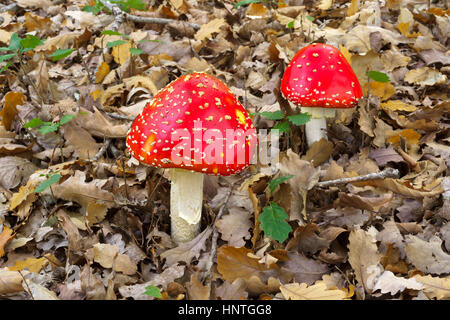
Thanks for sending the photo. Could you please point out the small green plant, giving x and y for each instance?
(133, 49)
(273, 217)
(49, 126)
(153, 291)
(17, 47)
(51, 179)
(283, 125)
(123, 5)
(273, 222)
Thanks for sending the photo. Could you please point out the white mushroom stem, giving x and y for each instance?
(186, 199)
(316, 128)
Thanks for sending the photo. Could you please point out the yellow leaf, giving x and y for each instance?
(19, 197)
(411, 137)
(295, 291)
(405, 30)
(353, 8)
(5, 236)
(345, 53)
(32, 264)
(9, 111)
(96, 212)
(103, 70)
(121, 53)
(384, 90)
(257, 9)
(33, 22)
(96, 94)
(397, 105)
(209, 28)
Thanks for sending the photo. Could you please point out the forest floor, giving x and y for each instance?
(80, 220)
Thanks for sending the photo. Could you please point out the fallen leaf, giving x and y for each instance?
(295, 291)
(5, 236)
(187, 251)
(234, 227)
(435, 287)
(11, 281)
(102, 71)
(389, 283)
(196, 290)
(207, 29)
(319, 152)
(231, 290)
(427, 256)
(11, 101)
(425, 76)
(363, 253)
(235, 263)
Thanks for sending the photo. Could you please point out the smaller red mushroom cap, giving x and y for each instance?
(195, 123)
(320, 76)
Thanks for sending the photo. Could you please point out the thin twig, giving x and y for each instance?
(119, 14)
(386, 173)
(119, 116)
(26, 283)
(102, 150)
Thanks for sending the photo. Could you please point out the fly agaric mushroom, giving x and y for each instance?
(319, 79)
(201, 112)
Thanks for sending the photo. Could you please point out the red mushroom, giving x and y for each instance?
(319, 79)
(195, 125)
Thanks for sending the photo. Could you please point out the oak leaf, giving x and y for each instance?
(319, 291)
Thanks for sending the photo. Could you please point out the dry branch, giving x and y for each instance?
(386, 173)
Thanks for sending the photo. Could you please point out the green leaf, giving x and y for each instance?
(275, 115)
(273, 222)
(66, 118)
(54, 178)
(33, 123)
(153, 291)
(7, 57)
(95, 9)
(378, 76)
(135, 51)
(14, 42)
(5, 49)
(310, 18)
(291, 24)
(48, 127)
(273, 184)
(282, 126)
(30, 42)
(135, 4)
(6, 67)
(299, 119)
(115, 43)
(111, 33)
(245, 2)
(61, 54)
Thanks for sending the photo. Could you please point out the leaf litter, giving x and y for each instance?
(79, 219)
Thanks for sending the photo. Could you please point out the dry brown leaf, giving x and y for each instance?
(15, 171)
(305, 270)
(232, 290)
(319, 291)
(196, 290)
(234, 227)
(397, 105)
(187, 251)
(9, 111)
(427, 256)
(85, 146)
(319, 152)
(95, 212)
(98, 125)
(235, 263)
(363, 254)
(5, 236)
(11, 281)
(435, 287)
(207, 29)
(425, 77)
(121, 53)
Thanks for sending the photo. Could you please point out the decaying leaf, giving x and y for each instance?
(296, 291)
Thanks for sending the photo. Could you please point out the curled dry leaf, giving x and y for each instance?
(427, 256)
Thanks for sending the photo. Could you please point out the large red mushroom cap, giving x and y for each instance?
(320, 76)
(195, 123)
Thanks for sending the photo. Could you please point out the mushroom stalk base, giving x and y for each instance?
(316, 128)
(186, 199)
